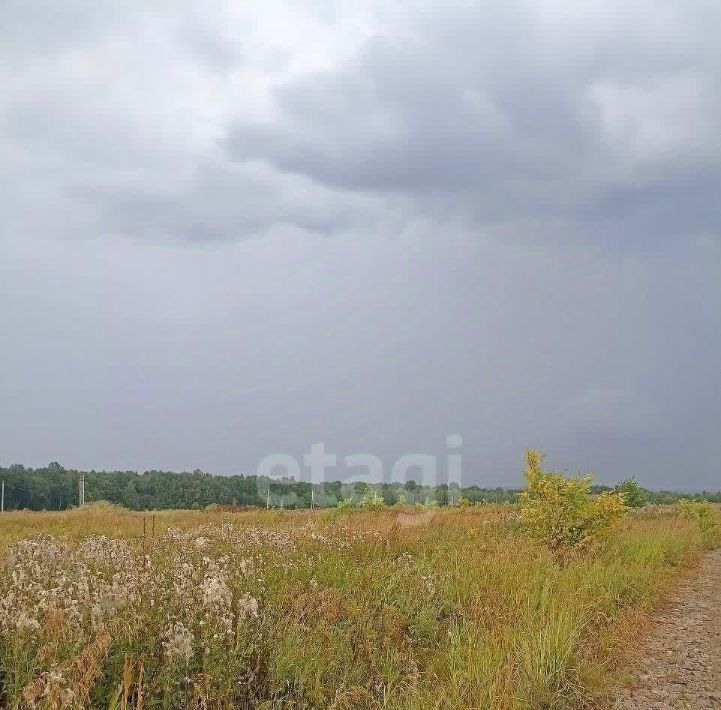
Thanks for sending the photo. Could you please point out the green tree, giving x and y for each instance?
(130, 498)
(634, 495)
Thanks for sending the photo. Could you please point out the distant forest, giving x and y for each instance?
(56, 488)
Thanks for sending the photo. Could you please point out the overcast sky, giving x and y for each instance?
(234, 229)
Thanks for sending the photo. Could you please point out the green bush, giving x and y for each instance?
(634, 495)
(372, 501)
(560, 511)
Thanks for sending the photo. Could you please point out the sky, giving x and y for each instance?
(232, 230)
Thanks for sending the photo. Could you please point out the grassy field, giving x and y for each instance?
(399, 608)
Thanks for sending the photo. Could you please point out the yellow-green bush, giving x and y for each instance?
(560, 511)
(702, 514)
(372, 501)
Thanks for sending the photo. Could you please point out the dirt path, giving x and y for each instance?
(680, 666)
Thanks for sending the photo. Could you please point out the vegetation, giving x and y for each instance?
(634, 495)
(56, 488)
(703, 515)
(372, 501)
(403, 607)
(561, 512)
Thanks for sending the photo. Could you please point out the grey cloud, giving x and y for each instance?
(40, 27)
(221, 239)
(506, 117)
(221, 201)
(512, 113)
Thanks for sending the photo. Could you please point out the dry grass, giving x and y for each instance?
(403, 609)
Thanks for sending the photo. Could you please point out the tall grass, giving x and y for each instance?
(394, 608)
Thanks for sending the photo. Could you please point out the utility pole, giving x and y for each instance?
(81, 490)
(267, 499)
(2, 499)
(312, 498)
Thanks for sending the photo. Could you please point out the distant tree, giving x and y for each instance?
(130, 498)
(634, 495)
(56, 488)
(360, 488)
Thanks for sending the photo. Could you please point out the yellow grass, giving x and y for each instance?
(103, 607)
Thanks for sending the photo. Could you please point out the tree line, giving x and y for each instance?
(56, 488)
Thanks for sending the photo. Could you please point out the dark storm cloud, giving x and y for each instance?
(230, 231)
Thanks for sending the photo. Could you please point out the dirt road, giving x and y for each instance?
(680, 664)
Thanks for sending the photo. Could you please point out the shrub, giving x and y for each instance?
(634, 495)
(372, 501)
(702, 513)
(402, 501)
(345, 504)
(463, 502)
(560, 511)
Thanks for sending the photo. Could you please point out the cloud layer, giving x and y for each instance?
(232, 232)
